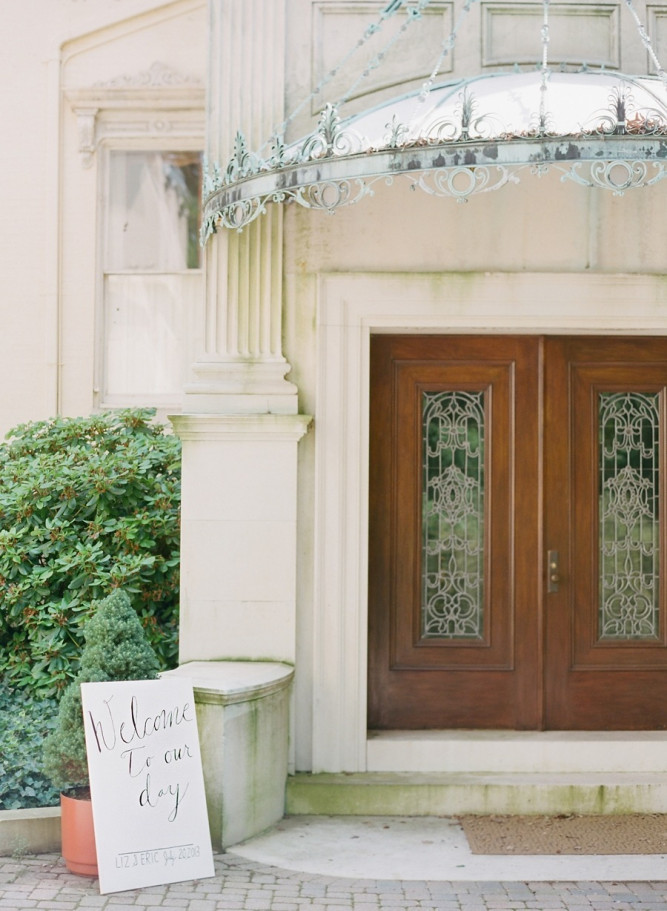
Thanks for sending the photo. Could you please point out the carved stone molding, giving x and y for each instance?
(85, 122)
(155, 103)
(579, 33)
(158, 74)
(657, 24)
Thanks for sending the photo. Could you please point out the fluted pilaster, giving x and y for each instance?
(240, 367)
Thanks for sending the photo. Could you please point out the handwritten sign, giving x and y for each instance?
(146, 782)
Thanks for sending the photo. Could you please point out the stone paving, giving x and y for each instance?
(240, 885)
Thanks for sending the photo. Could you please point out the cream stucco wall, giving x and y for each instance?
(50, 202)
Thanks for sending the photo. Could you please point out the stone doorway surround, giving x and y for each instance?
(352, 307)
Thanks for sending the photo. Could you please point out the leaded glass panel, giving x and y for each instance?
(453, 498)
(629, 516)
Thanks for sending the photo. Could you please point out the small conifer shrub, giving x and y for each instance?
(116, 648)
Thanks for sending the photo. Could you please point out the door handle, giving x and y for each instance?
(553, 571)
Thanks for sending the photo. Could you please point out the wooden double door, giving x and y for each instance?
(517, 533)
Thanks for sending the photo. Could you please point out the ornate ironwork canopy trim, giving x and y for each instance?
(602, 130)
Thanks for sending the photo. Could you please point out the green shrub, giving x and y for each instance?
(25, 723)
(116, 648)
(87, 505)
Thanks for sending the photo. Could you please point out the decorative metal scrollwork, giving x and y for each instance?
(622, 117)
(332, 194)
(243, 162)
(465, 123)
(464, 150)
(617, 176)
(461, 182)
(329, 139)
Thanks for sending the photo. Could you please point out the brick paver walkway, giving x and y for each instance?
(241, 885)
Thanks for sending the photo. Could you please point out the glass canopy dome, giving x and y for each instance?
(600, 129)
(517, 105)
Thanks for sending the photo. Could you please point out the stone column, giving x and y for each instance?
(240, 424)
(240, 368)
(238, 535)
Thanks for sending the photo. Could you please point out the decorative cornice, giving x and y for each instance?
(157, 75)
(144, 109)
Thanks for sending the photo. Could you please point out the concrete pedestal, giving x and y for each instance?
(243, 717)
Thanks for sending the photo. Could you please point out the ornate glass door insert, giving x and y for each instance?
(629, 516)
(453, 515)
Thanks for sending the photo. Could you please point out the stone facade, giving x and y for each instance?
(274, 414)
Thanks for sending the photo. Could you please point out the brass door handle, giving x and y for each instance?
(553, 571)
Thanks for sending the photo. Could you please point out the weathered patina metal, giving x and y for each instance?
(597, 128)
(462, 147)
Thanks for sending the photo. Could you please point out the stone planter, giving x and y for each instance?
(243, 721)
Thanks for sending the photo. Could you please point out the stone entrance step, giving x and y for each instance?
(517, 751)
(457, 793)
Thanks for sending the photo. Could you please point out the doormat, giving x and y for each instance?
(644, 833)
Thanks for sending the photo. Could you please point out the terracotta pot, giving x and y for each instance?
(78, 835)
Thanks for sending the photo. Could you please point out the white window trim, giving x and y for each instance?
(167, 116)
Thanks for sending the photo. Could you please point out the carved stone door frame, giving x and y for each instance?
(351, 308)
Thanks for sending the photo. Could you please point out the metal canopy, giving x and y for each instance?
(599, 129)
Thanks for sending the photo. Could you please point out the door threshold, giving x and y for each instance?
(516, 751)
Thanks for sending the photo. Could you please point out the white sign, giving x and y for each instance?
(146, 782)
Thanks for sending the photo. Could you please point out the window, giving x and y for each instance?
(152, 278)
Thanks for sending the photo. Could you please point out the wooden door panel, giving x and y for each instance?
(488, 678)
(575, 462)
(596, 680)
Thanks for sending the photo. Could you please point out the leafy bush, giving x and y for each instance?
(87, 505)
(116, 649)
(25, 723)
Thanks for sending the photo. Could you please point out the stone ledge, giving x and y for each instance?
(35, 831)
(229, 682)
(454, 794)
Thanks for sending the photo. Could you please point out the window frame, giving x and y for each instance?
(168, 114)
(102, 397)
